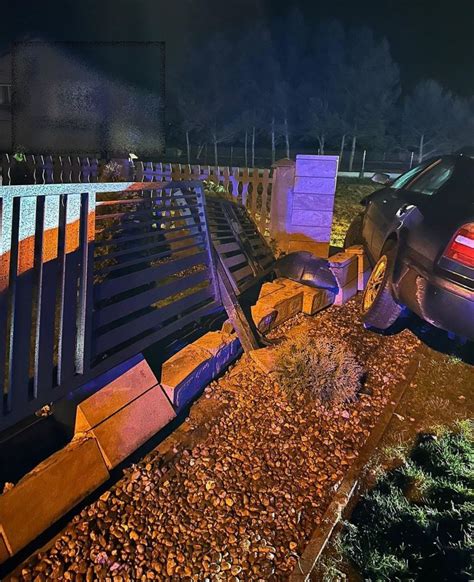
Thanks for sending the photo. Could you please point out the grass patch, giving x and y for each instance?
(349, 193)
(318, 368)
(417, 522)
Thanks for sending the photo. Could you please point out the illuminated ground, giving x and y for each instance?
(241, 501)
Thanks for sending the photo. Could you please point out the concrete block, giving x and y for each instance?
(224, 348)
(186, 373)
(263, 316)
(313, 201)
(345, 293)
(49, 491)
(312, 218)
(212, 341)
(314, 185)
(363, 265)
(114, 396)
(268, 288)
(312, 165)
(355, 250)
(308, 234)
(314, 299)
(344, 267)
(264, 359)
(126, 430)
(286, 302)
(362, 279)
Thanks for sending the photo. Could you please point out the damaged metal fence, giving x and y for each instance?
(90, 276)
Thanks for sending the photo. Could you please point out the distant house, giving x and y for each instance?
(83, 98)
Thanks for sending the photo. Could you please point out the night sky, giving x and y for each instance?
(429, 38)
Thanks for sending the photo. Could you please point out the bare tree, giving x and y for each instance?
(435, 120)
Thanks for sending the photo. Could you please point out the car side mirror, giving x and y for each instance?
(383, 179)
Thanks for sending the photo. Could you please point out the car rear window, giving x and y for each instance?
(434, 178)
(403, 180)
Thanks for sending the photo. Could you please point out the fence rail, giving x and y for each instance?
(252, 187)
(92, 275)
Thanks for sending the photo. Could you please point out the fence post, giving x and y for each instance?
(362, 168)
(353, 149)
(302, 203)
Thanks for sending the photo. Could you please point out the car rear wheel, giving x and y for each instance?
(354, 232)
(379, 308)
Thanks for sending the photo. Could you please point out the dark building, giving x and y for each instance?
(83, 98)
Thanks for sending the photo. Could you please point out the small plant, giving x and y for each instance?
(111, 172)
(416, 523)
(319, 368)
(217, 190)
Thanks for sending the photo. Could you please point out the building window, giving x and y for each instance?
(5, 95)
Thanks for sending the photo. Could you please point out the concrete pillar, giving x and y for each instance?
(282, 189)
(303, 203)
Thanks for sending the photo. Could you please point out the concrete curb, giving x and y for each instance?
(43, 496)
(110, 425)
(333, 513)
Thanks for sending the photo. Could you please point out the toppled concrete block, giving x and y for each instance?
(125, 431)
(125, 413)
(363, 265)
(186, 373)
(345, 293)
(49, 491)
(263, 316)
(286, 302)
(114, 396)
(314, 298)
(344, 267)
(223, 347)
(269, 288)
(264, 359)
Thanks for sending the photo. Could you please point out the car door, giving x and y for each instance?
(382, 209)
(426, 213)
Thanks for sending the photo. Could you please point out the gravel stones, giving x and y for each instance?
(241, 503)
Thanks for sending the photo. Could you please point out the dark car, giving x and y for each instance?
(418, 232)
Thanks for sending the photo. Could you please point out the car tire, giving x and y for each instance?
(379, 308)
(354, 232)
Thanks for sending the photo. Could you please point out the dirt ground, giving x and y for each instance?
(240, 501)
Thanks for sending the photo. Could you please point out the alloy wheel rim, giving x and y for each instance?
(374, 283)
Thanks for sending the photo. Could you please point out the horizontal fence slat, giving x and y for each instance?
(198, 238)
(146, 322)
(137, 237)
(112, 312)
(133, 280)
(148, 258)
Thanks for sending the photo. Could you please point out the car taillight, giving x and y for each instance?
(461, 247)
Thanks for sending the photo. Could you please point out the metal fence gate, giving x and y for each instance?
(90, 275)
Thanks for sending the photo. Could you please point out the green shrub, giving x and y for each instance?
(217, 190)
(416, 523)
(319, 368)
